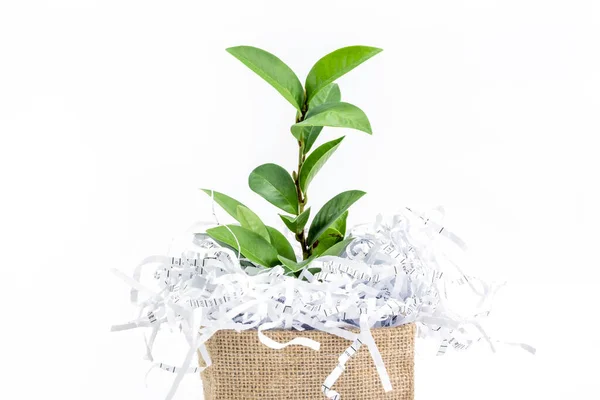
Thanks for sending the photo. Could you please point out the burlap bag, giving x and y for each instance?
(245, 369)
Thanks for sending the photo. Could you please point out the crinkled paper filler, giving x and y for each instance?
(395, 271)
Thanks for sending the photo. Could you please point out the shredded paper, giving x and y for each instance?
(395, 271)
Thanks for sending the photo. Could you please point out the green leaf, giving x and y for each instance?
(337, 248)
(294, 266)
(276, 186)
(272, 70)
(332, 235)
(253, 246)
(249, 220)
(299, 131)
(329, 238)
(283, 246)
(340, 223)
(342, 115)
(334, 250)
(330, 94)
(315, 161)
(330, 212)
(228, 204)
(310, 136)
(334, 65)
(296, 224)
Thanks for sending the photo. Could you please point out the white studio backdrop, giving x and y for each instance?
(114, 113)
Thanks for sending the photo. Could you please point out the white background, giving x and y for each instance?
(114, 113)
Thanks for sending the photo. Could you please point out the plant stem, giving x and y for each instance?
(301, 237)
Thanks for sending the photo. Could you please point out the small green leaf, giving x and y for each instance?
(272, 70)
(340, 223)
(330, 212)
(228, 204)
(337, 248)
(316, 160)
(329, 238)
(276, 186)
(249, 220)
(334, 250)
(299, 131)
(253, 246)
(334, 65)
(341, 115)
(310, 135)
(332, 235)
(296, 224)
(330, 94)
(293, 266)
(283, 246)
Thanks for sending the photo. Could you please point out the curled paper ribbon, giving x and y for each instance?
(391, 274)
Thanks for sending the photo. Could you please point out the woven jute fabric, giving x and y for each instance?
(245, 369)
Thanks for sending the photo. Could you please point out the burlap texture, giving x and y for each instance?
(245, 369)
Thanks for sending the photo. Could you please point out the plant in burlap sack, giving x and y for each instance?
(392, 275)
(318, 104)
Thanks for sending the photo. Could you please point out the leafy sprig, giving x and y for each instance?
(318, 104)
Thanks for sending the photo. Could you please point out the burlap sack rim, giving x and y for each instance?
(351, 329)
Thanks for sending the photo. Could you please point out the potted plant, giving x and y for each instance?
(242, 367)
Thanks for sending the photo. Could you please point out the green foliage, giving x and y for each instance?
(272, 70)
(318, 105)
(330, 212)
(329, 238)
(332, 235)
(336, 64)
(294, 266)
(253, 246)
(316, 160)
(249, 220)
(337, 248)
(296, 224)
(281, 244)
(308, 135)
(340, 223)
(330, 94)
(228, 204)
(276, 186)
(341, 115)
